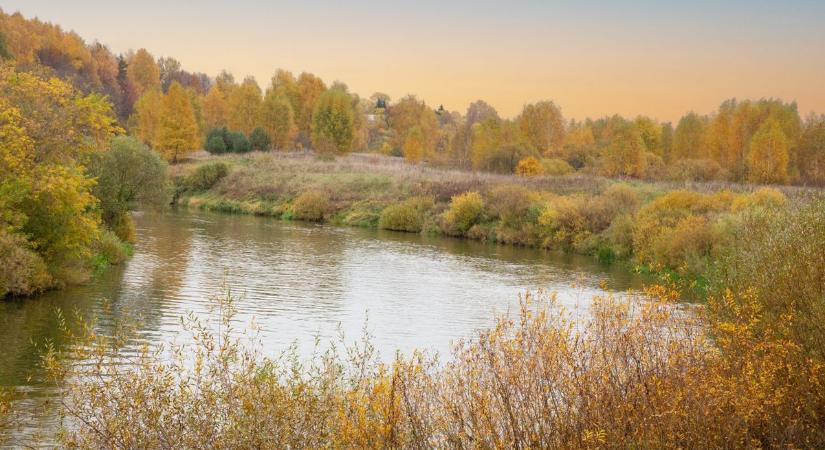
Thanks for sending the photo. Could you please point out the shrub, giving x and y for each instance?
(206, 176)
(313, 206)
(259, 140)
(128, 174)
(619, 235)
(23, 272)
(216, 141)
(238, 143)
(680, 215)
(215, 145)
(465, 211)
(622, 198)
(111, 249)
(529, 167)
(405, 216)
(764, 198)
(556, 167)
(686, 246)
(695, 170)
(510, 204)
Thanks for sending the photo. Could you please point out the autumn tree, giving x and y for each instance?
(579, 146)
(143, 72)
(413, 148)
(462, 141)
(812, 150)
(178, 131)
(332, 123)
(409, 113)
(245, 106)
(689, 138)
(48, 216)
(310, 88)
(277, 119)
(651, 134)
(768, 154)
(625, 156)
(145, 121)
(542, 127)
(216, 107)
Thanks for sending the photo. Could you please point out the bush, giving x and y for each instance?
(680, 216)
(510, 204)
(695, 170)
(465, 210)
(206, 176)
(313, 206)
(128, 174)
(405, 216)
(556, 167)
(111, 249)
(215, 145)
(763, 198)
(259, 140)
(238, 143)
(23, 272)
(529, 167)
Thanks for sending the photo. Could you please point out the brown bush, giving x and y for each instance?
(313, 206)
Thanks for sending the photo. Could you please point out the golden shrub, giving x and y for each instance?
(465, 210)
(313, 206)
(529, 167)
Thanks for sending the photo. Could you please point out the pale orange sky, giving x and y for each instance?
(657, 58)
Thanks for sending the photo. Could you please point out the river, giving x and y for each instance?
(298, 282)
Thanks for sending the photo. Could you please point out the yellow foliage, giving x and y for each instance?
(178, 131)
(529, 167)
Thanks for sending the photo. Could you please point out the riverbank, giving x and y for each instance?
(676, 230)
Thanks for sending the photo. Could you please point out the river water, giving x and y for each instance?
(298, 282)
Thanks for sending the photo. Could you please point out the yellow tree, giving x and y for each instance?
(625, 156)
(178, 131)
(245, 106)
(145, 120)
(689, 138)
(768, 154)
(409, 113)
(542, 127)
(215, 108)
(277, 119)
(143, 72)
(332, 123)
(310, 88)
(413, 148)
(651, 134)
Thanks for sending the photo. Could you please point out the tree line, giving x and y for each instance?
(177, 112)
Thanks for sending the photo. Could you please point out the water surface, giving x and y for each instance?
(299, 282)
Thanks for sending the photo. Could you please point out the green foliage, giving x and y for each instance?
(313, 206)
(333, 123)
(237, 142)
(216, 141)
(128, 174)
(408, 215)
(259, 140)
(206, 176)
(556, 167)
(465, 210)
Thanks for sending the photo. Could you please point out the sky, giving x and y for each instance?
(592, 58)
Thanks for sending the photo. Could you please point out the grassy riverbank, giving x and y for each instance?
(673, 229)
